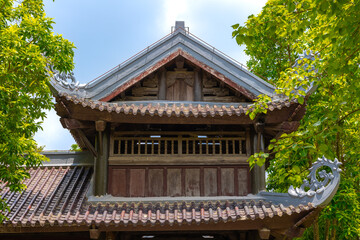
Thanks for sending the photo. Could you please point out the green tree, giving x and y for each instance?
(28, 48)
(74, 147)
(274, 39)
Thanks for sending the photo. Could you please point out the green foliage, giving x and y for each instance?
(27, 48)
(75, 148)
(274, 39)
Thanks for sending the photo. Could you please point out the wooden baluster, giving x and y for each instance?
(194, 150)
(159, 146)
(200, 144)
(213, 146)
(152, 147)
(227, 146)
(119, 146)
(240, 147)
(132, 146)
(146, 149)
(207, 146)
(165, 150)
(220, 147)
(233, 145)
(126, 146)
(139, 145)
(187, 146)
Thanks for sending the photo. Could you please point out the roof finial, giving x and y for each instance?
(179, 27)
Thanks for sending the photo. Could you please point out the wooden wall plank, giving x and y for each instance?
(210, 182)
(155, 182)
(227, 182)
(137, 183)
(118, 183)
(242, 181)
(192, 182)
(174, 182)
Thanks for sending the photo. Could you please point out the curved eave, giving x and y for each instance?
(173, 109)
(51, 203)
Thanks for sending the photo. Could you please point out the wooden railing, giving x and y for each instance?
(178, 145)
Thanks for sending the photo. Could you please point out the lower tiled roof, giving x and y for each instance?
(57, 196)
(168, 108)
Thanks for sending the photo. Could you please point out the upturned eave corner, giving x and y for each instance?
(319, 193)
(314, 192)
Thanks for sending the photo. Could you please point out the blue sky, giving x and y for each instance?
(108, 32)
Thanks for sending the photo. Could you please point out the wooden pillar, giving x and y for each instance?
(101, 161)
(197, 85)
(162, 84)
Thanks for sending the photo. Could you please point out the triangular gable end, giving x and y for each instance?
(178, 43)
(149, 80)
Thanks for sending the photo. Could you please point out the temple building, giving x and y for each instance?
(165, 139)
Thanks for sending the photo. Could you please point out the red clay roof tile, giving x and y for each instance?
(57, 196)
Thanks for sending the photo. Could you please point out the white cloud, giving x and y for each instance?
(173, 11)
(201, 13)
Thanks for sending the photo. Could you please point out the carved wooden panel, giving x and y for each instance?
(214, 90)
(156, 181)
(146, 89)
(180, 91)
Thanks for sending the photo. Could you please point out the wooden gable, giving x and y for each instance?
(180, 80)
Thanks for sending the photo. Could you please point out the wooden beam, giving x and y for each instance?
(86, 141)
(286, 127)
(71, 123)
(178, 160)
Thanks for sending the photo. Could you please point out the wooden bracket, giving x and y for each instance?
(70, 123)
(100, 125)
(86, 142)
(94, 233)
(264, 233)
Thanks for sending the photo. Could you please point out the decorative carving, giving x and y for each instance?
(63, 79)
(315, 186)
(187, 77)
(306, 55)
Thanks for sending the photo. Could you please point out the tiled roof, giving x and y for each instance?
(57, 196)
(52, 194)
(169, 109)
(154, 57)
